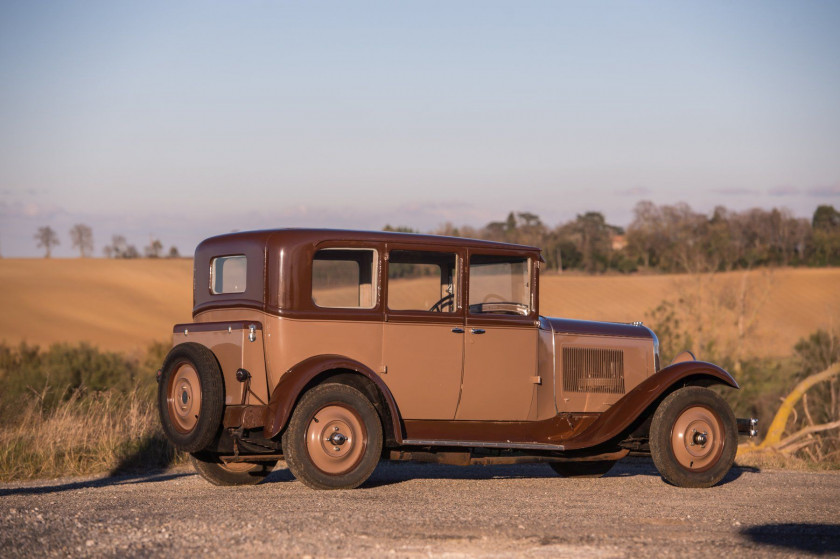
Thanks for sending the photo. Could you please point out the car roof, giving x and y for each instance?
(298, 236)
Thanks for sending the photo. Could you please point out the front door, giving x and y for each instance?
(500, 359)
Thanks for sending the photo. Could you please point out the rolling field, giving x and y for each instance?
(125, 304)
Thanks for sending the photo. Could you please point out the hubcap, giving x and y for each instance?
(184, 398)
(336, 439)
(697, 438)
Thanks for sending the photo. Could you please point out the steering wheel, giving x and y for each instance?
(490, 297)
(445, 301)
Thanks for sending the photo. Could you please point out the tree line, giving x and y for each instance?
(81, 237)
(672, 238)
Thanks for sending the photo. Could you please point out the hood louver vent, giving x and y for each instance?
(600, 371)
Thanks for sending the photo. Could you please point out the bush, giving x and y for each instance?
(76, 410)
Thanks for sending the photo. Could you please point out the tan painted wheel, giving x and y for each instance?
(210, 467)
(697, 438)
(336, 439)
(190, 397)
(693, 437)
(184, 398)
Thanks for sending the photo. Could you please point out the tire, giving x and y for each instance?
(595, 468)
(191, 397)
(217, 472)
(334, 438)
(693, 437)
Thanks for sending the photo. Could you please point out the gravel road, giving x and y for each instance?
(415, 510)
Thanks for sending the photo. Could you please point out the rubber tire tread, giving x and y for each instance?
(590, 469)
(294, 438)
(660, 437)
(212, 396)
(208, 466)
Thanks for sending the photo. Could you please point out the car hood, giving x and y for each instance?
(591, 328)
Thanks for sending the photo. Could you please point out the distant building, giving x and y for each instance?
(619, 242)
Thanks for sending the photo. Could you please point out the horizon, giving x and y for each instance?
(183, 121)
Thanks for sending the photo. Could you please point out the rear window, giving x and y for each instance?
(228, 274)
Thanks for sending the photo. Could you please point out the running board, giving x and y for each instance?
(481, 444)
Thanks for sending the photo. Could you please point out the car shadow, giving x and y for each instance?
(92, 483)
(390, 473)
(820, 539)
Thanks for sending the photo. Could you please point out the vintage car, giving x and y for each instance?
(335, 349)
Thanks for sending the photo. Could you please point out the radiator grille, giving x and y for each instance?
(593, 370)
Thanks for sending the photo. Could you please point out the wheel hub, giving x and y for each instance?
(697, 438)
(184, 398)
(336, 439)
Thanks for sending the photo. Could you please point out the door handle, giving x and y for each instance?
(458, 330)
(477, 330)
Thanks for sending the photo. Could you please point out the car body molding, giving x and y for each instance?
(292, 383)
(627, 410)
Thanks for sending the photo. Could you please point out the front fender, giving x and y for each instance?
(624, 412)
(288, 390)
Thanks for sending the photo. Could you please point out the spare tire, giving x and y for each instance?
(190, 397)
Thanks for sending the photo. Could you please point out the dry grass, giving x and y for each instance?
(119, 305)
(778, 461)
(107, 431)
(791, 303)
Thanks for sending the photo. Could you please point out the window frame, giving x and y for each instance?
(425, 315)
(533, 279)
(212, 274)
(374, 278)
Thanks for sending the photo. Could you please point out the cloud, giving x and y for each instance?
(28, 210)
(734, 191)
(833, 190)
(784, 191)
(634, 191)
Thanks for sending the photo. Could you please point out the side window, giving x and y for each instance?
(421, 281)
(228, 274)
(343, 278)
(500, 285)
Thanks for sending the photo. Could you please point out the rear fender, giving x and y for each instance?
(294, 381)
(628, 409)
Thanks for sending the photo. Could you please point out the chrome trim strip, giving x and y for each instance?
(522, 446)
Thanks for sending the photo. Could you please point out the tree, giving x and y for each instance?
(826, 236)
(593, 237)
(154, 249)
(47, 239)
(119, 248)
(82, 237)
(826, 217)
(173, 252)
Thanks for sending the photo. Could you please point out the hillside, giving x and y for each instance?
(125, 304)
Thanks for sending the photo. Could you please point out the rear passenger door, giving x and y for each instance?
(423, 345)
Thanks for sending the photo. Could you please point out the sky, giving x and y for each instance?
(181, 120)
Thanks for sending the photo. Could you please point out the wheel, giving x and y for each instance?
(190, 397)
(217, 472)
(693, 437)
(595, 468)
(334, 438)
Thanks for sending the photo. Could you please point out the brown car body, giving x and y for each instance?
(397, 317)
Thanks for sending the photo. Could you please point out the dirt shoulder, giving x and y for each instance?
(412, 510)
